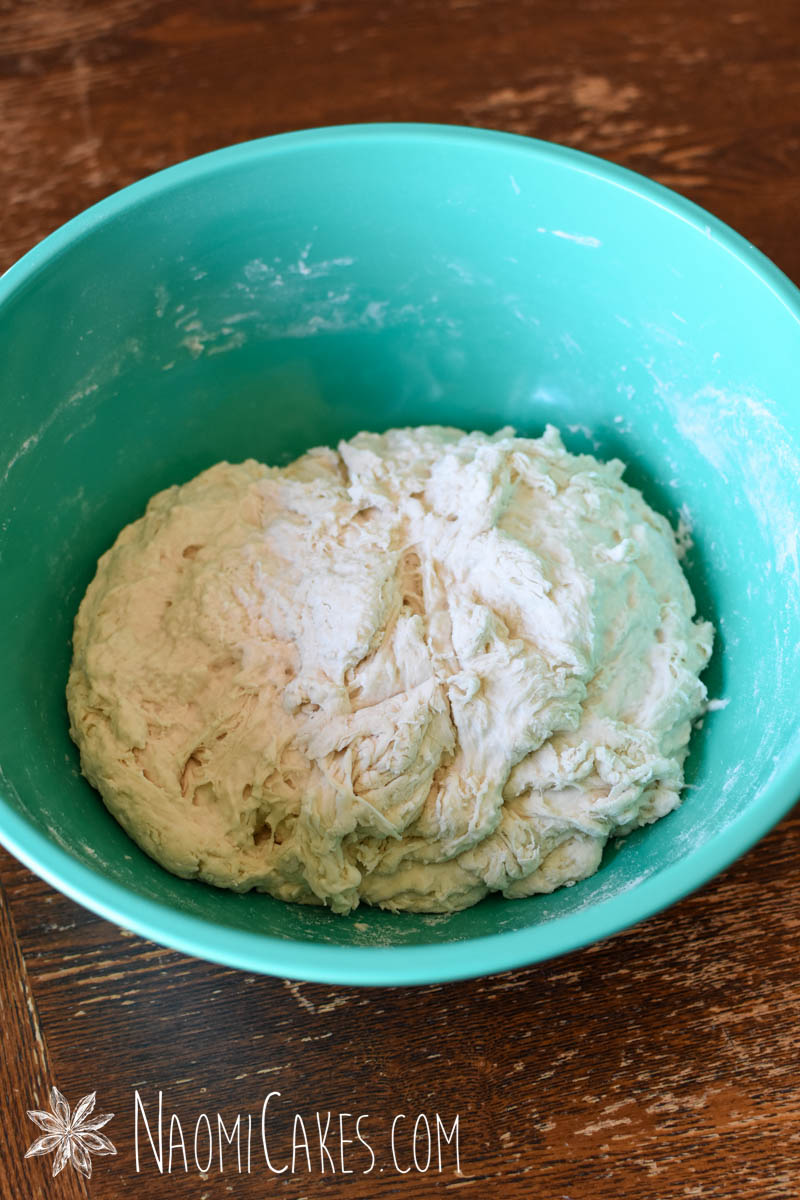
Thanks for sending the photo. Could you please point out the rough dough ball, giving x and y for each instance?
(413, 670)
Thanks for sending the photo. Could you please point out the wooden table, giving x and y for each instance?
(663, 1063)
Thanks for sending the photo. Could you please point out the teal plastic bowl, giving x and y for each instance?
(291, 291)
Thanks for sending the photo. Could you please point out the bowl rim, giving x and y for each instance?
(408, 964)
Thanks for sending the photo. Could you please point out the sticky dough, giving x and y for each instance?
(419, 668)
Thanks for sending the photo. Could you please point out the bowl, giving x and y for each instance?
(291, 291)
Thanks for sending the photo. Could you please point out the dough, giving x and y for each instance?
(412, 671)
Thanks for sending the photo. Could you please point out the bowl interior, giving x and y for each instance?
(292, 292)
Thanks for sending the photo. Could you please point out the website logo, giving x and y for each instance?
(74, 1136)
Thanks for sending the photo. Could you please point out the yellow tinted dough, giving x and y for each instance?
(410, 671)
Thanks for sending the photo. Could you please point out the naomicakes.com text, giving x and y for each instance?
(278, 1141)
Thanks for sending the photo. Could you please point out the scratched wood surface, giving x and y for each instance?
(663, 1063)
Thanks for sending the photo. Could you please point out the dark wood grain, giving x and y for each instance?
(26, 1075)
(660, 1064)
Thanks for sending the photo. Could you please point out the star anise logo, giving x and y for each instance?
(73, 1136)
